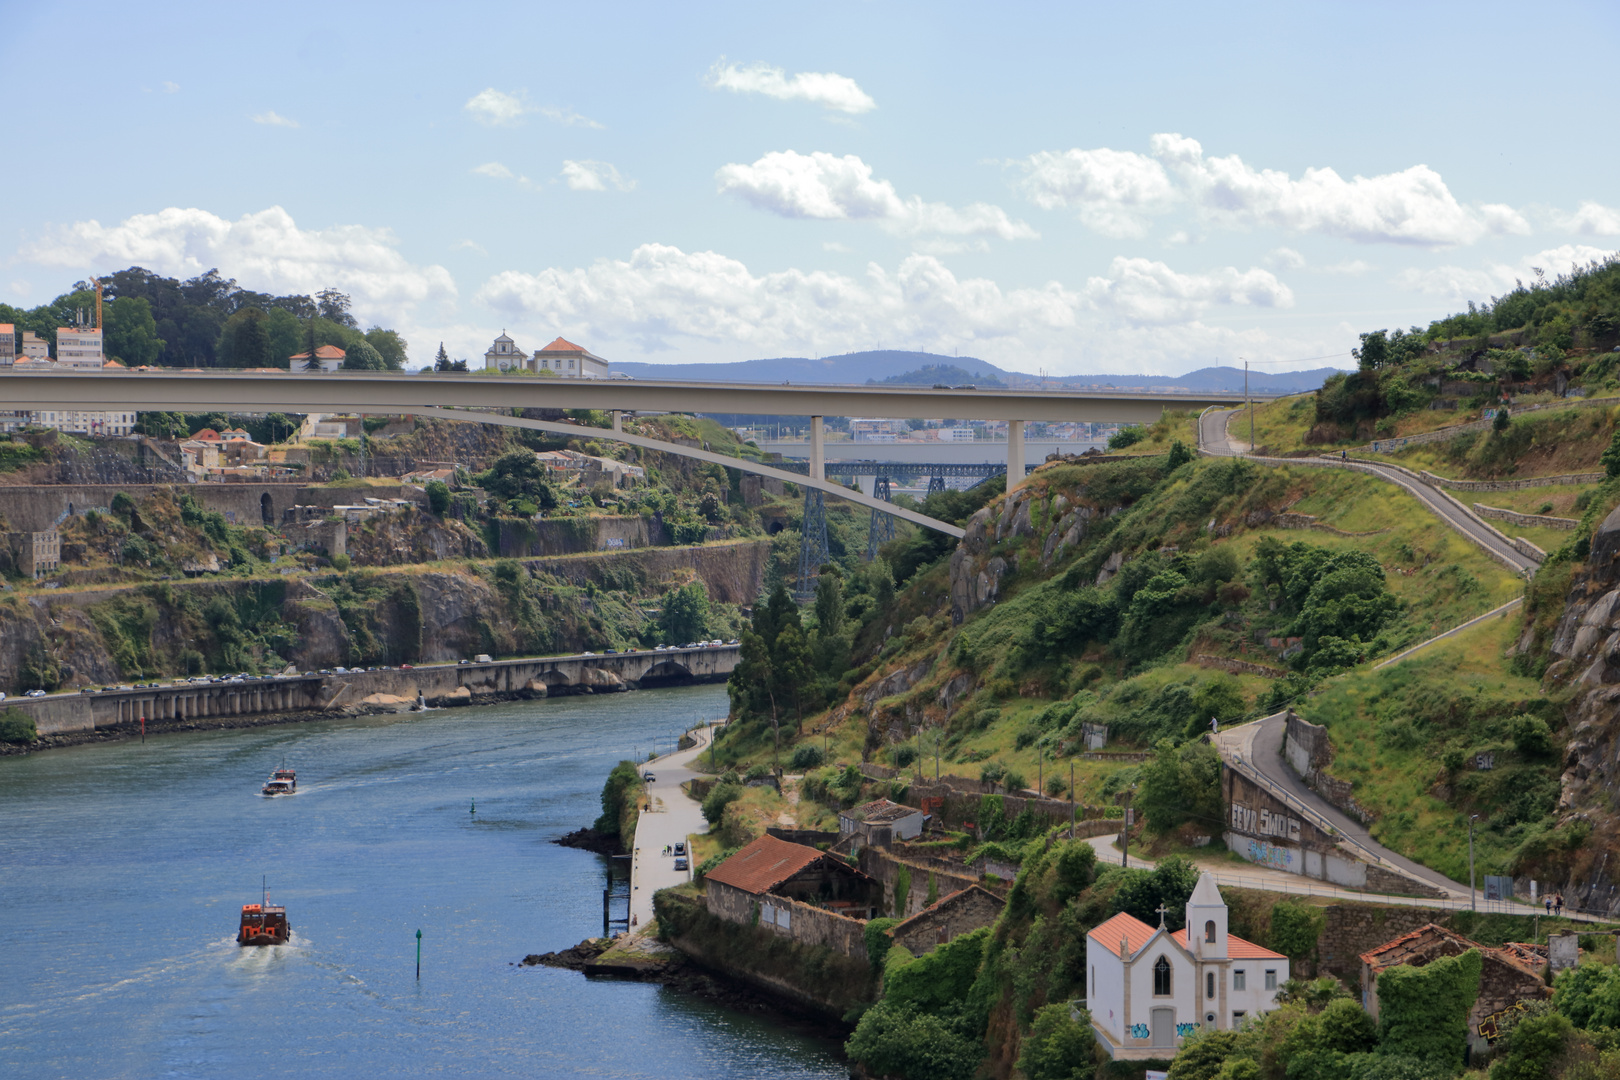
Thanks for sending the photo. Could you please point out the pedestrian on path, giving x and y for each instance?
(1548, 899)
(1558, 904)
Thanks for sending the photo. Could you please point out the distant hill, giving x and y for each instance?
(896, 366)
(938, 375)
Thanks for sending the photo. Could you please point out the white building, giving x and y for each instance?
(1149, 987)
(8, 344)
(80, 422)
(570, 361)
(505, 354)
(78, 348)
(35, 347)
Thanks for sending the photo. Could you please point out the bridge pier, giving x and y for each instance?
(1015, 454)
(818, 450)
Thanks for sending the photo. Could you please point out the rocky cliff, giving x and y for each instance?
(1585, 667)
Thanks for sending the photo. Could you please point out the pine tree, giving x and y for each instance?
(441, 362)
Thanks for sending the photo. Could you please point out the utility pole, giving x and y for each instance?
(1250, 402)
(1472, 906)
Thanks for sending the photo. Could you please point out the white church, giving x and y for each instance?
(1148, 987)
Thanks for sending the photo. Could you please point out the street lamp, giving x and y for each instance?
(1471, 904)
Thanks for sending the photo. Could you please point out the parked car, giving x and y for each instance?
(35, 693)
(649, 777)
(680, 863)
(680, 847)
(463, 662)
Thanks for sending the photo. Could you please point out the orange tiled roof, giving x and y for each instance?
(322, 352)
(1405, 948)
(763, 864)
(1137, 933)
(562, 345)
(1237, 948)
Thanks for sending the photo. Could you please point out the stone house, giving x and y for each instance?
(769, 880)
(1508, 976)
(948, 918)
(1148, 987)
(880, 820)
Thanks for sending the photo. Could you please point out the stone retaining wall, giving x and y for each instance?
(1512, 485)
(1227, 663)
(1531, 521)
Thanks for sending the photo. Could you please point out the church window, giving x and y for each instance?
(1161, 978)
(1209, 931)
(1094, 980)
(1209, 984)
(1240, 979)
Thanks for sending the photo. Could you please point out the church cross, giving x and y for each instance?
(1161, 909)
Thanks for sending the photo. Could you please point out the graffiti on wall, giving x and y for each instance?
(1139, 1031)
(1263, 822)
(1183, 1030)
(1269, 854)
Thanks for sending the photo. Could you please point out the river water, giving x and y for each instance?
(123, 869)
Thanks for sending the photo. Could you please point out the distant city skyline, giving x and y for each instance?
(1069, 189)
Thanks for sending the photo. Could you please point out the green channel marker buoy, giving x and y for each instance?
(474, 808)
(419, 956)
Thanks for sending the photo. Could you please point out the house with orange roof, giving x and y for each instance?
(562, 357)
(328, 358)
(795, 891)
(8, 344)
(1147, 987)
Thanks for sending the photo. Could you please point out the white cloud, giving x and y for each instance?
(661, 296)
(493, 108)
(171, 88)
(496, 108)
(820, 185)
(494, 170)
(1459, 284)
(567, 117)
(265, 251)
(1591, 219)
(1118, 192)
(1350, 268)
(594, 176)
(471, 245)
(833, 245)
(274, 119)
(836, 92)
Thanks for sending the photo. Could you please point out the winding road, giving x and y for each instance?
(1215, 439)
(673, 818)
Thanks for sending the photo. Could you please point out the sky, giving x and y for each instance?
(1065, 188)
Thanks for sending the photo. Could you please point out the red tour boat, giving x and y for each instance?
(263, 924)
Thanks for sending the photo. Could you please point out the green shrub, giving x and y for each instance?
(1532, 1046)
(805, 757)
(1058, 1045)
(878, 941)
(17, 726)
(900, 1041)
(1126, 437)
(623, 785)
(438, 494)
(1424, 1010)
(1296, 928)
(720, 796)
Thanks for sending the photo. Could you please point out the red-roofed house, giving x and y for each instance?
(764, 881)
(570, 361)
(327, 358)
(1148, 987)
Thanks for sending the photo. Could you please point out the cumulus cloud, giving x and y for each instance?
(274, 119)
(1286, 258)
(171, 88)
(1591, 219)
(823, 186)
(494, 170)
(594, 176)
(1119, 192)
(493, 108)
(264, 250)
(662, 296)
(1459, 284)
(838, 93)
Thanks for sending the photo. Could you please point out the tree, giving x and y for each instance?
(685, 616)
(1423, 1011)
(389, 345)
(441, 362)
(902, 1041)
(518, 476)
(245, 340)
(1179, 455)
(1181, 784)
(1126, 437)
(1611, 456)
(332, 305)
(1058, 1046)
(438, 494)
(1169, 883)
(1533, 1045)
(362, 357)
(131, 333)
(1502, 421)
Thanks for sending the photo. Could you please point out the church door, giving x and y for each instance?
(1164, 1027)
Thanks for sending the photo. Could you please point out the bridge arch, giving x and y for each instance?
(666, 673)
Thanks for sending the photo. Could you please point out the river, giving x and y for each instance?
(123, 868)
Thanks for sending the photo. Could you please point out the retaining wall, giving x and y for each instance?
(1512, 485)
(1533, 521)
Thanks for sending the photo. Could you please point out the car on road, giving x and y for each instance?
(680, 847)
(35, 693)
(680, 863)
(649, 777)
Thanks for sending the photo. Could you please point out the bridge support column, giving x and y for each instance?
(882, 528)
(818, 450)
(618, 420)
(1015, 454)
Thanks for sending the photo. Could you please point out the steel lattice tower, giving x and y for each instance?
(812, 542)
(882, 530)
(935, 483)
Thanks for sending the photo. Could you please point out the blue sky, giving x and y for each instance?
(1071, 188)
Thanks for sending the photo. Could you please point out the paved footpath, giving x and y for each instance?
(673, 818)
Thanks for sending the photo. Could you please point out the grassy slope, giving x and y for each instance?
(1441, 579)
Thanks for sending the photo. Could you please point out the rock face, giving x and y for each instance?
(1585, 651)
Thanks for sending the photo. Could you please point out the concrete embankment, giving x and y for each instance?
(435, 684)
